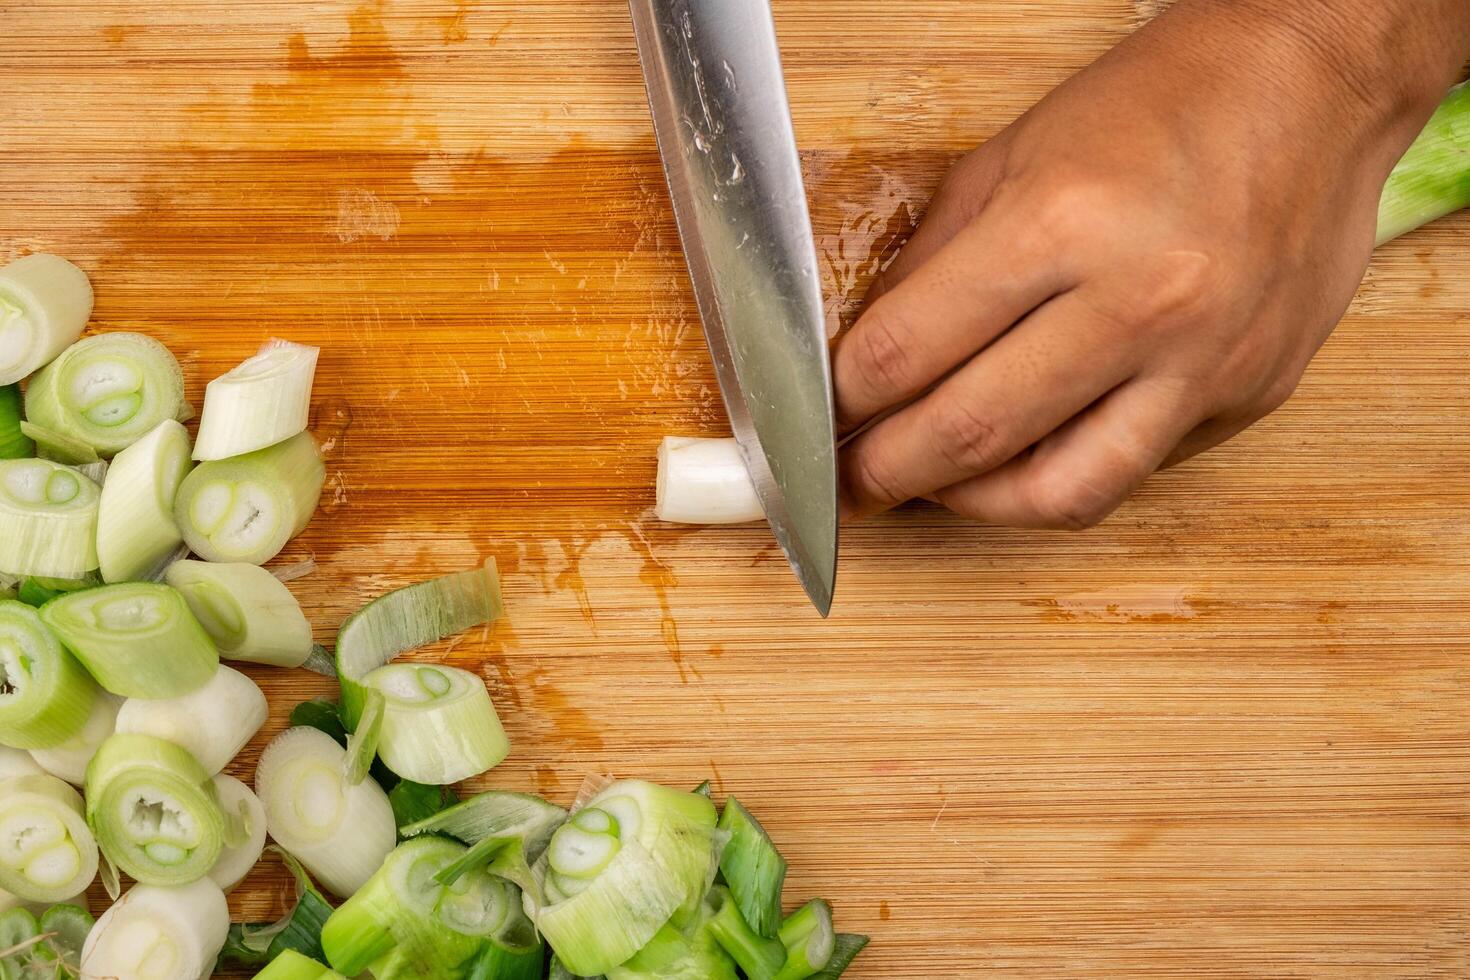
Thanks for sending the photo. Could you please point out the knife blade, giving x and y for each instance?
(713, 73)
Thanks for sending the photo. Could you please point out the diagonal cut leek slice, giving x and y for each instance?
(48, 519)
(159, 933)
(246, 610)
(136, 530)
(45, 695)
(261, 402)
(45, 303)
(212, 722)
(244, 831)
(47, 852)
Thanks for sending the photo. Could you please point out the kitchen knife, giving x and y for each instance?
(713, 74)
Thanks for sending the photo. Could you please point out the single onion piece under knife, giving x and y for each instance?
(213, 722)
(704, 481)
(439, 726)
(70, 759)
(139, 639)
(246, 610)
(48, 519)
(47, 852)
(154, 809)
(245, 508)
(108, 391)
(45, 303)
(244, 831)
(264, 401)
(45, 695)
(136, 530)
(159, 933)
(341, 832)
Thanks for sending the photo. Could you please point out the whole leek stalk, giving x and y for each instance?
(1433, 177)
(48, 519)
(246, 610)
(261, 402)
(154, 810)
(45, 695)
(159, 933)
(14, 444)
(108, 391)
(70, 759)
(136, 530)
(213, 722)
(45, 302)
(47, 852)
(139, 640)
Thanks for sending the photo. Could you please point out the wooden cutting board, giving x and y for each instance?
(1226, 734)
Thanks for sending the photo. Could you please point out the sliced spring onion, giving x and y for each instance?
(439, 726)
(245, 508)
(66, 928)
(804, 943)
(154, 809)
(497, 815)
(70, 759)
(48, 519)
(261, 402)
(704, 481)
(809, 940)
(411, 617)
(58, 446)
(246, 610)
(291, 965)
(47, 853)
(20, 936)
(1430, 181)
(136, 530)
(139, 640)
(673, 954)
(213, 721)
(340, 831)
(45, 695)
(108, 391)
(14, 444)
(14, 762)
(845, 949)
(45, 302)
(677, 828)
(37, 590)
(159, 933)
(752, 868)
(244, 831)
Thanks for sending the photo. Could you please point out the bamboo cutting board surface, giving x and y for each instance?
(1223, 735)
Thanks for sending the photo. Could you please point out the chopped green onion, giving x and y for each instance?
(45, 302)
(674, 954)
(58, 447)
(803, 946)
(245, 508)
(407, 618)
(48, 519)
(291, 965)
(246, 610)
(45, 695)
(340, 831)
(439, 726)
(213, 721)
(136, 530)
(704, 481)
(67, 927)
(70, 759)
(244, 831)
(154, 810)
(139, 640)
(362, 745)
(47, 853)
(705, 790)
(493, 821)
(1431, 179)
(14, 444)
(159, 933)
(14, 762)
(37, 590)
(809, 940)
(678, 828)
(753, 869)
(844, 950)
(497, 962)
(108, 391)
(263, 401)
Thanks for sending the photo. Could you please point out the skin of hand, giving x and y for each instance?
(1143, 264)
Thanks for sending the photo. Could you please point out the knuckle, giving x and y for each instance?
(879, 353)
(1180, 284)
(1074, 208)
(875, 479)
(1073, 503)
(968, 440)
(1276, 394)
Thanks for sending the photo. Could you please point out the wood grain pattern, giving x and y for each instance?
(1223, 735)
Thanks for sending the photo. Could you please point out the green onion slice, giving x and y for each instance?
(108, 391)
(136, 530)
(213, 721)
(261, 402)
(496, 815)
(70, 759)
(291, 965)
(14, 443)
(45, 695)
(159, 933)
(45, 302)
(845, 949)
(47, 853)
(244, 831)
(154, 809)
(674, 953)
(245, 508)
(752, 868)
(139, 640)
(246, 610)
(439, 726)
(1430, 180)
(48, 519)
(340, 831)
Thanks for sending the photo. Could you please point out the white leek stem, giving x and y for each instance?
(246, 610)
(264, 401)
(48, 519)
(70, 759)
(159, 933)
(15, 762)
(45, 302)
(136, 530)
(47, 852)
(244, 831)
(212, 722)
(704, 481)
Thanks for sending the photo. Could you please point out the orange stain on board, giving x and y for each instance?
(884, 912)
(659, 577)
(569, 723)
(573, 547)
(453, 24)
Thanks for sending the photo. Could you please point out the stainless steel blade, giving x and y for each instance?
(714, 81)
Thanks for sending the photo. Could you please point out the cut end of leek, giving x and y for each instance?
(47, 852)
(59, 447)
(263, 401)
(45, 695)
(246, 610)
(439, 726)
(45, 303)
(136, 530)
(212, 722)
(48, 519)
(70, 759)
(159, 933)
(704, 481)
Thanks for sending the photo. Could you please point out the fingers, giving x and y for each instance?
(1081, 473)
(1205, 436)
(1024, 386)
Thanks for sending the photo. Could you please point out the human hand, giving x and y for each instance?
(1142, 265)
